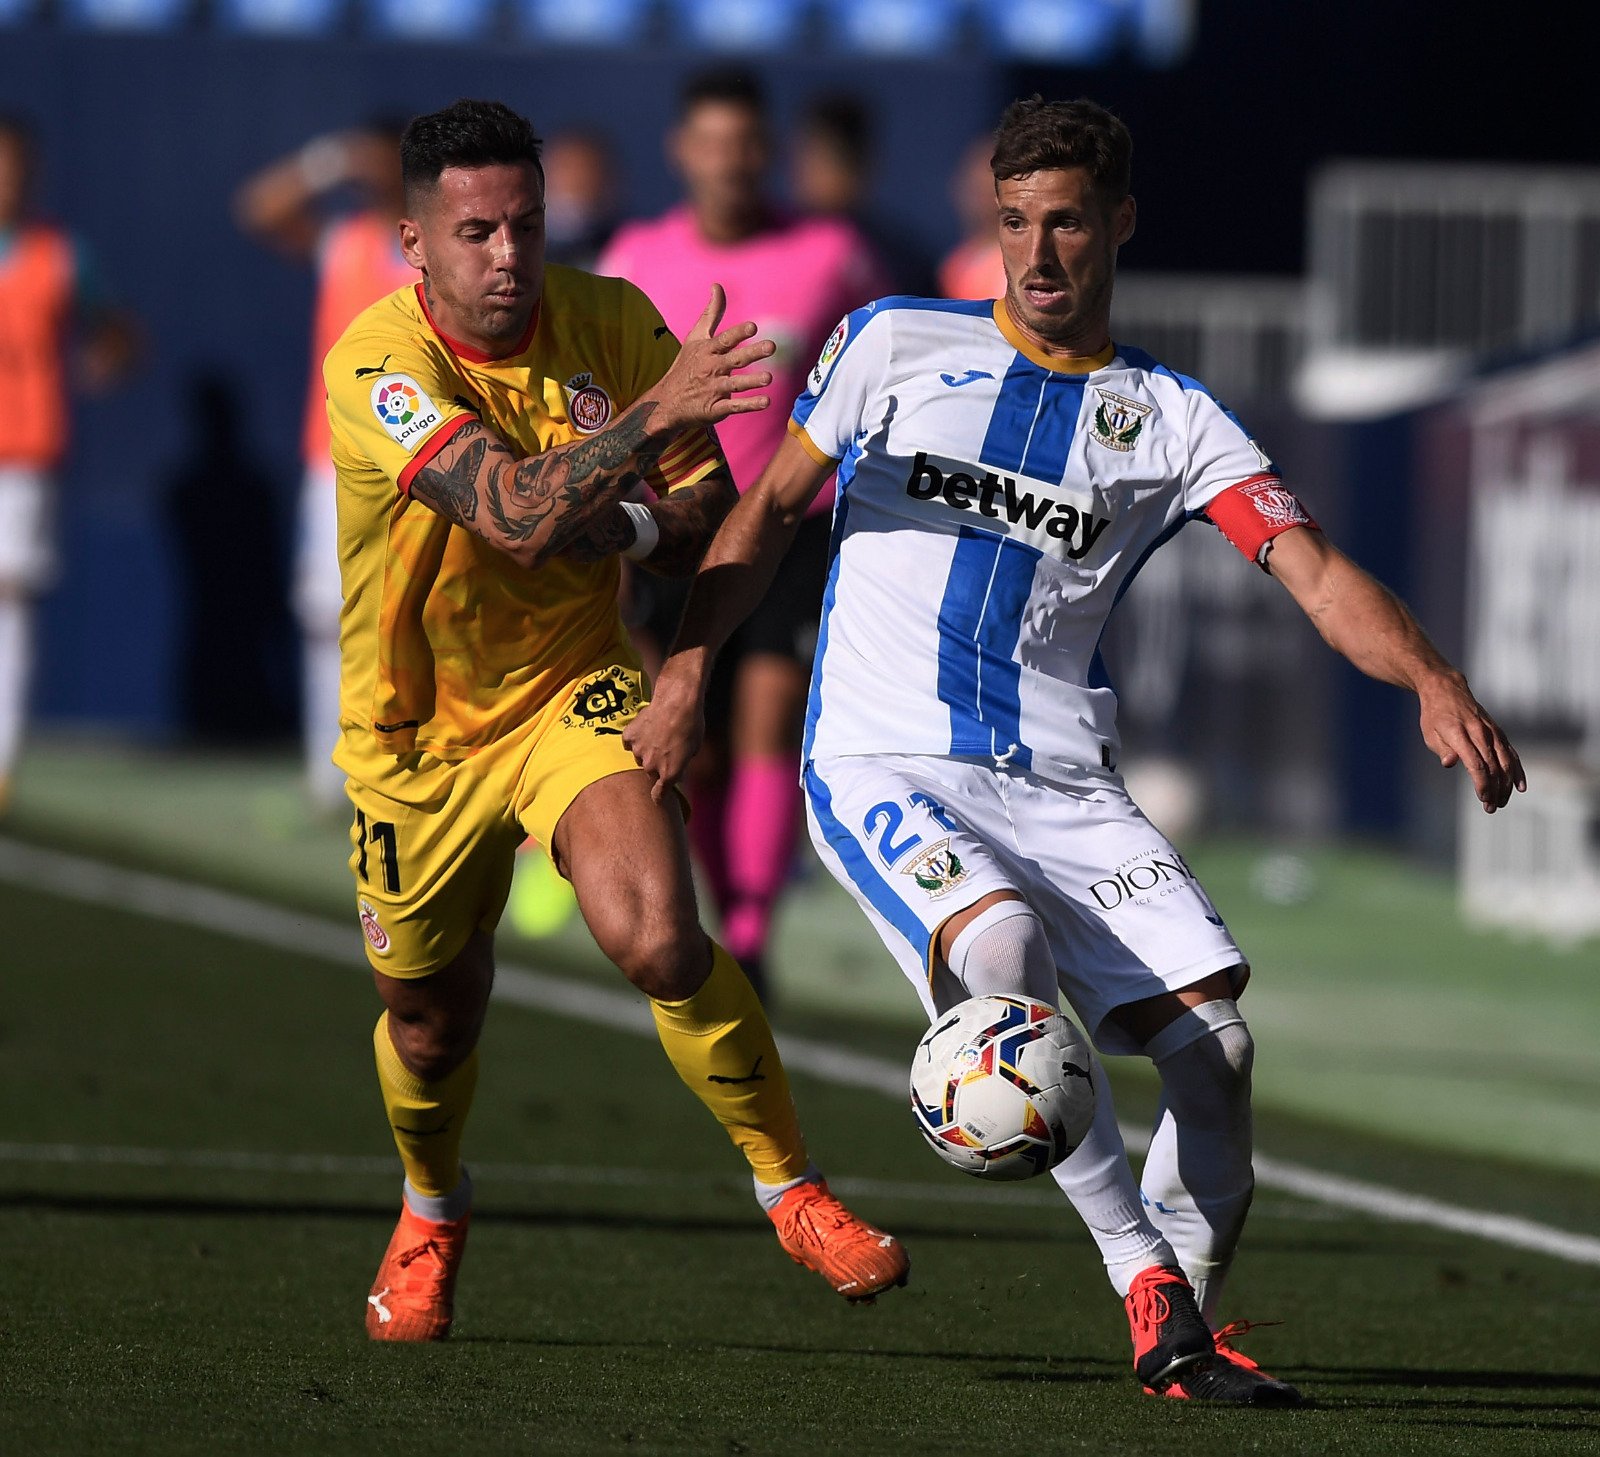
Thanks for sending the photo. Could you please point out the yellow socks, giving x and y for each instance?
(722, 1047)
(427, 1118)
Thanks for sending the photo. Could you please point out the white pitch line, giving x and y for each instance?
(366, 1166)
(162, 898)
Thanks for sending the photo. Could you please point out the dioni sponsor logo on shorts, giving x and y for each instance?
(376, 936)
(602, 700)
(1142, 879)
(937, 870)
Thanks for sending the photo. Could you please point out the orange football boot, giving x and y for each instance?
(817, 1231)
(1231, 1377)
(412, 1298)
(1169, 1333)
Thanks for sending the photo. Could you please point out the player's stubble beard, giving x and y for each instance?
(1085, 326)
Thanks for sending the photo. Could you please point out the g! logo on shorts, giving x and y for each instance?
(601, 701)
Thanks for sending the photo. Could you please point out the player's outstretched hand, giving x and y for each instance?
(1457, 728)
(668, 731)
(711, 378)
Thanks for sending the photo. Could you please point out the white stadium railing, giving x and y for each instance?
(1417, 269)
(1243, 337)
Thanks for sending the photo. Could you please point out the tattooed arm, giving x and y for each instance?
(539, 506)
(686, 520)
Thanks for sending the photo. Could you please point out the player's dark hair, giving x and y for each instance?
(465, 134)
(843, 125)
(723, 85)
(1038, 135)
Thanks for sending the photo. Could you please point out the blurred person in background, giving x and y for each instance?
(580, 197)
(793, 276)
(830, 175)
(973, 269)
(51, 297)
(335, 204)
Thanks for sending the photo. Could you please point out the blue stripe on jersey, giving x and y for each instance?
(1056, 427)
(980, 620)
(880, 895)
(1034, 421)
(1016, 407)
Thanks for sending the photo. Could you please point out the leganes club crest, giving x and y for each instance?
(1118, 420)
(937, 870)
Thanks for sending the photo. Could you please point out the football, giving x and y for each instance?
(1001, 1087)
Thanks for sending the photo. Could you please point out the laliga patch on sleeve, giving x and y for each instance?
(830, 352)
(404, 409)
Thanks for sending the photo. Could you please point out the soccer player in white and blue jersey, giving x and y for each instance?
(1004, 469)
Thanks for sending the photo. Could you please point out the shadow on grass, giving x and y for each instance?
(195, 1206)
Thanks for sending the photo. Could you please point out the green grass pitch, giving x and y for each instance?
(196, 1183)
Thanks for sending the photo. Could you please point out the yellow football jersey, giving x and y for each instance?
(445, 642)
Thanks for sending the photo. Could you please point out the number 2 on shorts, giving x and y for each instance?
(888, 817)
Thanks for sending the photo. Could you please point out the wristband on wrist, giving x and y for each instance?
(645, 531)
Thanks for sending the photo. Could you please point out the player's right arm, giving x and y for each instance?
(742, 559)
(535, 507)
(737, 571)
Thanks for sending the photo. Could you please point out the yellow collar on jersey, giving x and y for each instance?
(1035, 355)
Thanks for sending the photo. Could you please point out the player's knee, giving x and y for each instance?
(433, 1043)
(666, 960)
(1205, 1059)
(1004, 951)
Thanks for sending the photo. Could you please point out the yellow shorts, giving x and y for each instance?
(434, 841)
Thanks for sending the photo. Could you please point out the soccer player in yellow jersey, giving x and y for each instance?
(492, 426)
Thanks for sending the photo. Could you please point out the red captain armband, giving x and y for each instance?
(1251, 513)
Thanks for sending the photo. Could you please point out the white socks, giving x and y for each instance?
(1197, 1176)
(1096, 1177)
(319, 718)
(1003, 951)
(16, 665)
(457, 1204)
(769, 1195)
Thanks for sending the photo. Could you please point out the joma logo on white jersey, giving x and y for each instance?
(998, 498)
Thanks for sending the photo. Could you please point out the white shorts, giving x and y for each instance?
(317, 593)
(916, 839)
(27, 534)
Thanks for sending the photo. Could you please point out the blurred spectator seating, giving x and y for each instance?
(432, 20)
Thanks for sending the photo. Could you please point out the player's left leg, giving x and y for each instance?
(27, 564)
(764, 807)
(627, 857)
(762, 811)
(16, 659)
(1198, 1180)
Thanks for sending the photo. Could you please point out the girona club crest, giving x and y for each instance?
(588, 406)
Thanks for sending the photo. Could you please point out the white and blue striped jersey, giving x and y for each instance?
(993, 505)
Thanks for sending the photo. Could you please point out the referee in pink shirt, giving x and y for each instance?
(796, 277)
